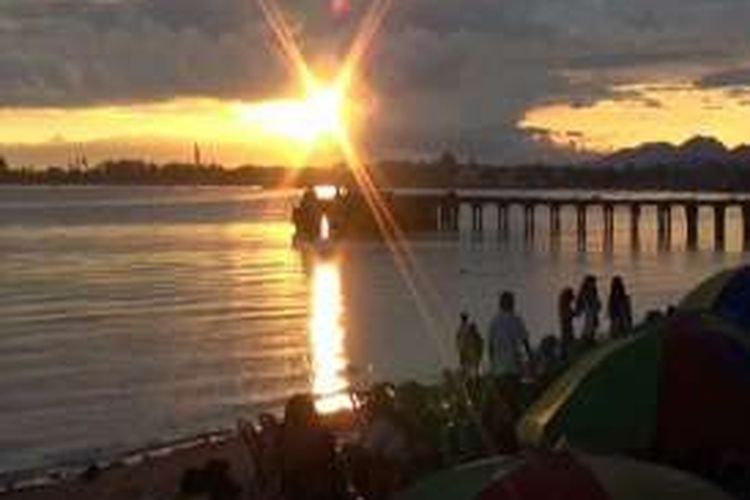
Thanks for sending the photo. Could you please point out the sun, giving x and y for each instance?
(325, 113)
(325, 119)
(315, 120)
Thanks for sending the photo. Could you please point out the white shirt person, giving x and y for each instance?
(508, 340)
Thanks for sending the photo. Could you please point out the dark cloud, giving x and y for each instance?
(458, 66)
(444, 70)
(739, 77)
(644, 57)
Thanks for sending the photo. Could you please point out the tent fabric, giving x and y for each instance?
(680, 385)
(463, 482)
(626, 479)
(726, 294)
(554, 476)
(699, 357)
(532, 429)
(733, 302)
(706, 293)
(603, 403)
(561, 475)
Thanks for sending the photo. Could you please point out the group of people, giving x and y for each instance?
(588, 305)
(300, 459)
(508, 347)
(295, 458)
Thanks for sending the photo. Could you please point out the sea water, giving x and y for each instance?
(133, 315)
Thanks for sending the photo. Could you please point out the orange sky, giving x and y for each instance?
(294, 132)
(282, 131)
(670, 113)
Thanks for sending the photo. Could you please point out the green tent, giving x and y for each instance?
(680, 384)
(606, 401)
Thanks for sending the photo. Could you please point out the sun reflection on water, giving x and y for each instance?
(327, 334)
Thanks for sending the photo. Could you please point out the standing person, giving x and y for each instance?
(566, 313)
(588, 304)
(461, 333)
(508, 340)
(619, 309)
(310, 214)
(470, 348)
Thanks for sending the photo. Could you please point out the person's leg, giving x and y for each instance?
(508, 389)
(503, 411)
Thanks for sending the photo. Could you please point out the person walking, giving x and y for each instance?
(565, 314)
(619, 309)
(589, 305)
(508, 342)
(470, 348)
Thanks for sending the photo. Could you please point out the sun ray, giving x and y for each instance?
(412, 274)
(391, 232)
(366, 34)
(287, 44)
(417, 282)
(387, 224)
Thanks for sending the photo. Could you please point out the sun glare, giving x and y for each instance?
(327, 335)
(315, 120)
(325, 112)
(326, 191)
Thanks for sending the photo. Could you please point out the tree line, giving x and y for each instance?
(445, 172)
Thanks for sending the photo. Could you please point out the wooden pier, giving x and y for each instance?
(443, 213)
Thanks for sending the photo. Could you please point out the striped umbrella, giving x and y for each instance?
(678, 388)
(561, 476)
(726, 295)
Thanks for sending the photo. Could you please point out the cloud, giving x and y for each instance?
(443, 70)
(460, 66)
(738, 77)
(107, 53)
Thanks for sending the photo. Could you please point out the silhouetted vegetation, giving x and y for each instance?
(686, 167)
(137, 172)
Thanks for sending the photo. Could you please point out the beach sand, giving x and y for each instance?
(153, 478)
(155, 474)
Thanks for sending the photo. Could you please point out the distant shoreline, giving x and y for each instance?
(734, 178)
(258, 187)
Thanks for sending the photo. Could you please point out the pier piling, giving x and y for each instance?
(529, 221)
(664, 225)
(503, 228)
(554, 219)
(691, 222)
(581, 225)
(608, 212)
(635, 225)
(719, 225)
(477, 217)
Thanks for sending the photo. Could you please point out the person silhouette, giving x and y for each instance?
(508, 341)
(619, 309)
(566, 313)
(589, 305)
(470, 348)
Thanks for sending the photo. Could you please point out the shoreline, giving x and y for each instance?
(14, 481)
(154, 475)
(406, 188)
(135, 467)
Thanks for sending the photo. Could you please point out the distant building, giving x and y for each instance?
(196, 154)
(448, 159)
